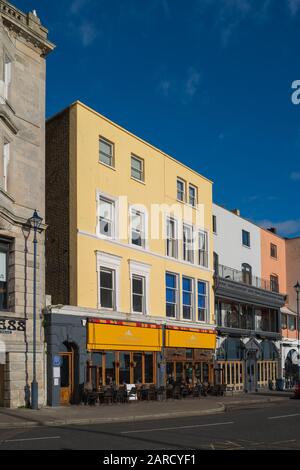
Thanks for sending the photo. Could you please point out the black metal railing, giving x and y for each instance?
(245, 277)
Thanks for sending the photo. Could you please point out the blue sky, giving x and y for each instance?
(207, 81)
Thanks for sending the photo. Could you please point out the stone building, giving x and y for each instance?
(24, 46)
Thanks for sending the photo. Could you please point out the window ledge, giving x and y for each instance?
(107, 166)
(138, 247)
(107, 309)
(172, 257)
(138, 181)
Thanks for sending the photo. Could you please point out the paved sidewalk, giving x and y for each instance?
(134, 411)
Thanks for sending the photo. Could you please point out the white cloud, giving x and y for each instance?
(284, 228)
(228, 15)
(295, 176)
(294, 6)
(165, 87)
(88, 33)
(192, 82)
(77, 5)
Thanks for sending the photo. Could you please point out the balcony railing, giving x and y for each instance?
(245, 277)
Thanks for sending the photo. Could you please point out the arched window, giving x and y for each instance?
(247, 273)
(269, 352)
(231, 349)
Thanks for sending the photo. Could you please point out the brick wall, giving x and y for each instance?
(57, 208)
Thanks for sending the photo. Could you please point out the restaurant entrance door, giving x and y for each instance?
(66, 377)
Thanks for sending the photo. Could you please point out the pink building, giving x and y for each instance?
(280, 266)
(289, 348)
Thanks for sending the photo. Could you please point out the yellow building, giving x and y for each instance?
(129, 259)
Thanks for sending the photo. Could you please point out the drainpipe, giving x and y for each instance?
(162, 368)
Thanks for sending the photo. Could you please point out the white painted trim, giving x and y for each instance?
(189, 226)
(143, 270)
(136, 267)
(208, 247)
(115, 221)
(168, 217)
(125, 316)
(208, 300)
(107, 260)
(139, 208)
(178, 296)
(193, 296)
(152, 253)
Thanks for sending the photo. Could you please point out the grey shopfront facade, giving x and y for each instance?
(66, 339)
(248, 341)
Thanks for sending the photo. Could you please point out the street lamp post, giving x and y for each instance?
(297, 289)
(35, 223)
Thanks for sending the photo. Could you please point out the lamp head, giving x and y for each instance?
(297, 287)
(35, 220)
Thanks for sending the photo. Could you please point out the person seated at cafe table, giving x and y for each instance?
(88, 388)
(170, 380)
(109, 380)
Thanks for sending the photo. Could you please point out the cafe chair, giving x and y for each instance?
(108, 395)
(132, 394)
(121, 395)
(176, 392)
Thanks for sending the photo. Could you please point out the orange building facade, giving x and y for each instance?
(277, 261)
(273, 260)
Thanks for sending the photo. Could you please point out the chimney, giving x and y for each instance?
(236, 212)
(272, 229)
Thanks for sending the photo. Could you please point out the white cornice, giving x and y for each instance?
(114, 315)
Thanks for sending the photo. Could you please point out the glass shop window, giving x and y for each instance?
(110, 371)
(149, 375)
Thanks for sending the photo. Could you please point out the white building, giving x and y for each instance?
(228, 240)
(247, 309)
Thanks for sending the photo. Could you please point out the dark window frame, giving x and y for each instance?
(176, 292)
(214, 224)
(246, 239)
(274, 283)
(191, 292)
(112, 290)
(142, 279)
(247, 274)
(273, 248)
